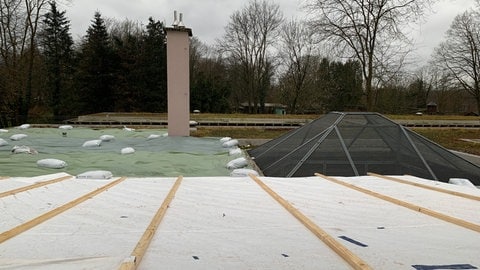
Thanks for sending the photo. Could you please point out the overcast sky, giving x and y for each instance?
(207, 18)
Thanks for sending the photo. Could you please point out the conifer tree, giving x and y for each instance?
(96, 69)
(153, 63)
(127, 41)
(57, 43)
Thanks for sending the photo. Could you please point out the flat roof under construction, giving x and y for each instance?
(57, 221)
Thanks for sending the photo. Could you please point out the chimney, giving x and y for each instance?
(178, 77)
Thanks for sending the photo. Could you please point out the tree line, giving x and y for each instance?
(349, 55)
(45, 74)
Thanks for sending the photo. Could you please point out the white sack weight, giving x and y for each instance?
(23, 149)
(127, 150)
(3, 130)
(235, 151)
(153, 136)
(66, 127)
(92, 143)
(128, 129)
(237, 163)
(99, 174)
(3, 142)
(230, 143)
(18, 137)
(52, 163)
(107, 138)
(461, 182)
(24, 126)
(243, 172)
(225, 139)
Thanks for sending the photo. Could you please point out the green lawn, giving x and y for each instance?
(451, 138)
(448, 138)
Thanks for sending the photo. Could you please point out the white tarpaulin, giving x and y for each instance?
(232, 223)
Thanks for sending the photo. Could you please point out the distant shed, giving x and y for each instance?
(432, 108)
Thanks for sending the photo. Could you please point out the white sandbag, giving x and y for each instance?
(66, 127)
(461, 182)
(92, 143)
(237, 163)
(235, 151)
(127, 150)
(230, 143)
(52, 163)
(192, 123)
(243, 172)
(99, 174)
(23, 149)
(128, 129)
(3, 130)
(153, 136)
(225, 139)
(24, 126)
(107, 138)
(3, 142)
(18, 137)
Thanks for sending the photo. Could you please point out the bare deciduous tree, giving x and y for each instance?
(296, 54)
(365, 30)
(19, 25)
(459, 54)
(248, 36)
(11, 46)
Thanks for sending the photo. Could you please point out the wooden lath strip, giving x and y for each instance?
(46, 216)
(414, 207)
(140, 249)
(451, 192)
(352, 259)
(36, 185)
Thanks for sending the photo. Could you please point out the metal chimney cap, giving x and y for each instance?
(175, 19)
(180, 23)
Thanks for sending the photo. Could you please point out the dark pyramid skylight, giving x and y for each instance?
(353, 144)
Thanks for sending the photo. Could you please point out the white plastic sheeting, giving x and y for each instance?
(97, 174)
(231, 223)
(243, 172)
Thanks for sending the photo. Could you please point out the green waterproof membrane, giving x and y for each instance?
(162, 156)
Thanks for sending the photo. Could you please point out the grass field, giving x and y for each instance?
(452, 138)
(315, 116)
(448, 138)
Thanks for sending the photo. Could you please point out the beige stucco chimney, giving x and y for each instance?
(178, 78)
